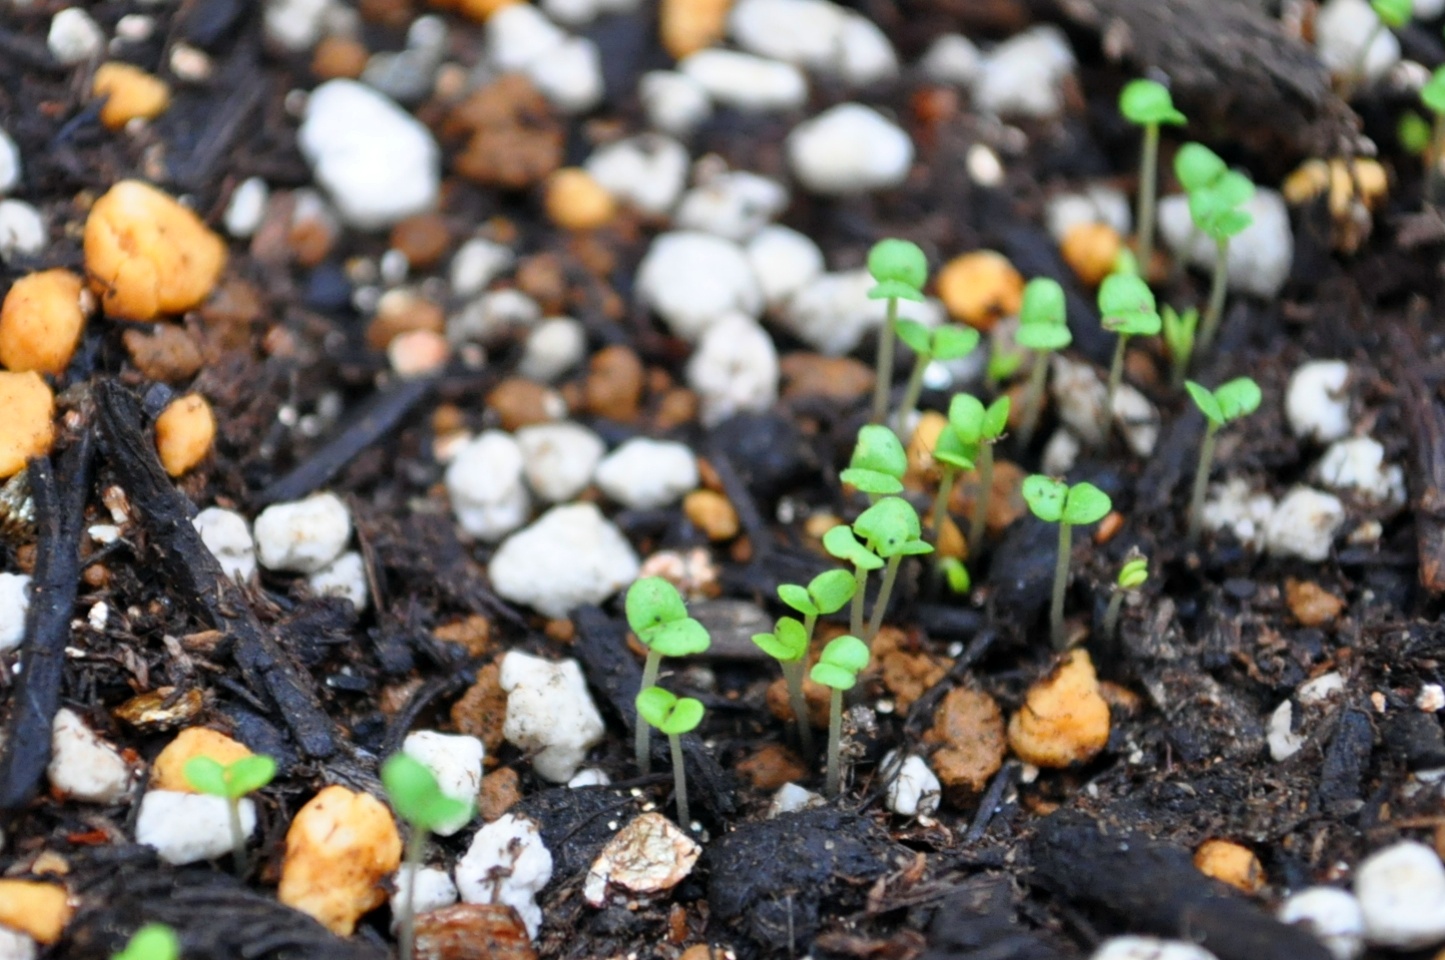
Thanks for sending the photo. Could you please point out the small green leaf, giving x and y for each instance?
(249, 774)
(832, 589)
(966, 414)
(879, 461)
(1126, 306)
(798, 598)
(684, 717)
(672, 715)
(952, 342)
(995, 420)
(956, 575)
(1214, 208)
(1126, 261)
(681, 638)
(154, 941)
(1003, 364)
(915, 548)
(788, 642)
(1043, 303)
(1044, 337)
(654, 704)
(1086, 503)
(1413, 132)
(950, 449)
(841, 543)
(1393, 13)
(1432, 94)
(1045, 497)
(1134, 573)
(834, 677)
(914, 334)
(205, 775)
(1145, 102)
(889, 527)
(871, 481)
(1179, 329)
(653, 601)
(414, 794)
(1238, 398)
(1197, 166)
(840, 663)
(899, 269)
(1205, 401)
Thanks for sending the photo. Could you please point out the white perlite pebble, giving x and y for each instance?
(559, 459)
(1304, 524)
(643, 474)
(569, 76)
(692, 280)
(14, 603)
(734, 204)
(554, 346)
(434, 890)
(783, 261)
(1280, 734)
(247, 207)
(849, 149)
(491, 315)
(734, 369)
(83, 766)
(1358, 466)
(295, 25)
(569, 557)
(1235, 506)
(550, 714)
(1342, 28)
(74, 37)
(16, 946)
(227, 535)
(746, 82)
(484, 481)
(577, 13)
(22, 230)
(477, 263)
(9, 163)
(1431, 698)
(914, 790)
(456, 762)
(1316, 402)
(1022, 75)
(953, 59)
(1402, 895)
(589, 777)
(791, 798)
(507, 863)
(817, 35)
(648, 171)
(674, 102)
(377, 162)
(302, 536)
(1098, 203)
(832, 313)
(1332, 916)
(1259, 257)
(1061, 452)
(189, 827)
(865, 55)
(1149, 948)
(520, 34)
(343, 577)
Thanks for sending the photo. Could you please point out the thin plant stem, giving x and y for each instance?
(1212, 314)
(1432, 159)
(1033, 398)
(1201, 483)
(238, 837)
(406, 928)
(643, 739)
(835, 741)
(679, 775)
(1061, 583)
(855, 611)
(1111, 615)
(940, 502)
(1148, 175)
(880, 604)
(1116, 376)
(793, 674)
(911, 393)
(883, 384)
(810, 622)
(977, 524)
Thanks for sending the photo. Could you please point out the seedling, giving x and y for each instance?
(979, 428)
(1003, 362)
(899, 271)
(788, 644)
(1196, 166)
(231, 782)
(837, 669)
(1432, 95)
(947, 342)
(841, 543)
(418, 799)
(1132, 576)
(1179, 329)
(659, 620)
(1215, 195)
(154, 941)
(891, 530)
(952, 455)
(1043, 328)
(1147, 104)
(1225, 404)
(878, 463)
(1054, 501)
(674, 716)
(1126, 307)
(955, 574)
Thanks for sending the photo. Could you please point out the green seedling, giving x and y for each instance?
(1225, 404)
(1414, 134)
(825, 594)
(979, 428)
(1196, 166)
(1132, 576)
(952, 455)
(840, 542)
(418, 799)
(1215, 195)
(837, 669)
(1054, 501)
(231, 782)
(1126, 308)
(878, 463)
(955, 574)
(674, 716)
(659, 620)
(154, 941)
(943, 343)
(899, 271)
(1147, 104)
(1432, 95)
(891, 530)
(1003, 362)
(1043, 328)
(1179, 329)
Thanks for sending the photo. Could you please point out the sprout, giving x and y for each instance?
(418, 799)
(1054, 501)
(1147, 104)
(1179, 331)
(1432, 95)
(231, 782)
(1215, 195)
(952, 455)
(1225, 404)
(841, 543)
(899, 271)
(955, 574)
(838, 668)
(1132, 576)
(659, 619)
(879, 462)
(827, 593)
(154, 941)
(891, 530)
(1126, 307)
(978, 428)
(1043, 328)
(674, 716)
(943, 343)
(1195, 166)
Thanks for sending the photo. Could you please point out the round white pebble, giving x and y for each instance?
(1332, 916)
(343, 577)
(734, 369)
(914, 789)
(832, 312)
(302, 536)
(1149, 948)
(1402, 895)
(82, 765)
(675, 103)
(434, 890)
(9, 163)
(22, 230)
(519, 34)
(746, 82)
(647, 171)
(570, 76)
(456, 762)
(295, 25)
(952, 59)
(1022, 75)
(1357, 465)
(486, 488)
(569, 557)
(554, 346)
(559, 458)
(508, 863)
(1317, 403)
(14, 603)
(1342, 28)
(1259, 257)
(247, 207)
(74, 37)
(550, 714)
(783, 261)
(1304, 524)
(643, 474)
(692, 280)
(15, 945)
(477, 263)
(849, 149)
(734, 205)
(227, 535)
(189, 827)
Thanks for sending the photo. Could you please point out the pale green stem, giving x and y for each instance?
(835, 741)
(793, 674)
(1034, 398)
(810, 621)
(1201, 483)
(880, 605)
(643, 739)
(1061, 583)
(238, 837)
(1432, 170)
(855, 611)
(679, 774)
(1111, 615)
(1148, 175)
(1116, 376)
(978, 522)
(884, 381)
(940, 501)
(406, 925)
(911, 393)
(1212, 314)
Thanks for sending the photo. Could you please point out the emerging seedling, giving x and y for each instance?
(659, 620)
(674, 716)
(955, 574)
(1147, 104)
(1225, 404)
(1216, 195)
(947, 342)
(1126, 308)
(878, 463)
(1043, 328)
(231, 782)
(1179, 329)
(841, 543)
(1132, 576)
(891, 530)
(1432, 94)
(899, 271)
(979, 428)
(1054, 501)
(416, 797)
(952, 455)
(154, 941)
(837, 669)
(827, 593)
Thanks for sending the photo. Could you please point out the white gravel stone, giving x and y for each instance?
(484, 481)
(832, 313)
(1431, 698)
(1235, 506)
(801, 32)
(1023, 75)
(747, 82)
(569, 557)
(952, 59)
(74, 37)
(477, 263)
(378, 163)
(14, 603)
(865, 56)
(1259, 257)
(1137, 419)
(1332, 916)
(559, 459)
(914, 790)
(189, 827)
(1304, 524)
(491, 315)
(589, 777)
(9, 163)
(849, 149)
(554, 346)
(1149, 948)
(674, 102)
(550, 714)
(643, 474)
(1428, 9)
(343, 577)
(570, 76)
(247, 207)
(296, 25)
(22, 230)
(1357, 466)
(434, 890)
(576, 13)
(1061, 452)
(228, 536)
(791, 798)
(733, 204)
(456, 762)
(1317, 403)
(648, 171)
(1079, 394)
(304, 535)
(520, 34)
(783, 261)
(82, 765)
(1280, 734)
(1095, 204)
(734, 369)
(650, 855)
(1321, 688)
(15, 945)
(1402, 894)
(1342, 28)
(508, 863)
(692, 280)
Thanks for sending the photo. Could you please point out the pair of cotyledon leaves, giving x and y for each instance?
(1055, 501)
(657, 615)
(888, 529)
(827, 593)
(1226, 402)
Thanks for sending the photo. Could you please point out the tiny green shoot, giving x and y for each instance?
(1147, 104)
(1216, 196)
(826, 593)
(955, 574)
(1179, 329)
(899, 271)
(837, 669)
(952, 455)
(892, 531)
(1414, 134)
(674, 716)
(658, 618)
(979, 428)
(841, 543)
(1196, 166)
(942, 343)
(1132, 576)
(1043, 328)
(154, 941)
(1432, 95)
(1003, 362)
(231, 782)
(1054, 501)
(1225, 404)
(878, 463)
(1126, 308)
